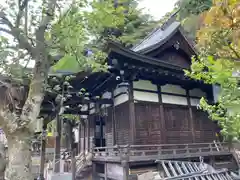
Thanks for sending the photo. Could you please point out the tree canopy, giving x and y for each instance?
(218, 63)
(34, 36)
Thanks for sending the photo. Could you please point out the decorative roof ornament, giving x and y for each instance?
(176, 45)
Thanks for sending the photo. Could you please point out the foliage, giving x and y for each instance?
(218, 63)
(192, 7)
(135, 27)
(34, 35)
(190, 14)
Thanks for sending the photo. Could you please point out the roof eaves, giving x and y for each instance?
(119, 49)
(161, 38)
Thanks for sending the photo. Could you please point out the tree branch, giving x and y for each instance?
(22, 6)
(47, 18)
(16, 33)
(5, 20)
(37, 87)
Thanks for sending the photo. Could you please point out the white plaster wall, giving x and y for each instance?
(194, 101)
(175, 89)
(145, 96)
(169, 99)
(92, 109)
(107, 95)
(197, 92)
(144, 84)
(84, 108)
(119, 90)
(76, 134)
(120, 99)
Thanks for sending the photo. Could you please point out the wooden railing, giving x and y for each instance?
(163, 151)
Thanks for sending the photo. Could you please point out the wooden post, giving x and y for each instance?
(84, 137)
(79, 138)
(105, 171)
(73, 166)
(73, 152)
(43, 150)
(58, 145)
(125, 163)
(191, 116)
(162, 116)
(132, 118)
(88, 135)
(113, 120)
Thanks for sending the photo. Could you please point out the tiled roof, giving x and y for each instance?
(157, 36)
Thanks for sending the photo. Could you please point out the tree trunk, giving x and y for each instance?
(19, 153)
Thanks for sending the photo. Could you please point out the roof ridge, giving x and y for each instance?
(161, 27)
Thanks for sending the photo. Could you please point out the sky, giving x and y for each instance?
(158, 8)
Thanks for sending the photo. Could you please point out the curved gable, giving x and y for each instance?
(175, 57)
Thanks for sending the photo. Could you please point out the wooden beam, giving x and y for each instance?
(67, 111)
(191, 117)
(132, 118)
(77, 100)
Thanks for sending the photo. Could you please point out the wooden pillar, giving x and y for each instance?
(79, 138)
(84, 137)
(162, 116)
(191, 117)
(125, 163)
(113, 120)
(43, 151)
(88, 135)
(105, 171)
(73, 166)
(132, 118)
(58, 145)
(73, 150)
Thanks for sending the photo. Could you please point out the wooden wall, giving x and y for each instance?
(109, 127)
(170, 117)
(148, 123)
(122, 124)
(164, 114)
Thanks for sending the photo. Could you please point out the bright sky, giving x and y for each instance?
(158, 8)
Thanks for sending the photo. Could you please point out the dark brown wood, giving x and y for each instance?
(205, 128)
(122, 124)
(84, 137)
(191, 117)
(178, 37)
(177, 124)
(148, 123)
(113, 120)
(88, 135)
(79, 136)
(132, 117)
(161, 109)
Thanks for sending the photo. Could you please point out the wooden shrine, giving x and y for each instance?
(145, 109)
(153, 113)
